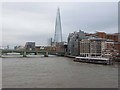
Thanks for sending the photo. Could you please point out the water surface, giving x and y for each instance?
(56, 72)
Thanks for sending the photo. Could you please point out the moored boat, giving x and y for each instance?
(96, 60)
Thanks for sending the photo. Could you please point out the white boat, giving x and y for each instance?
(97, 60)
(13, 53)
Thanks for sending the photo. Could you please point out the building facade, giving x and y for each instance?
(114, 37)
(73, 42)
(60, 47)
(84, 47)
(108, 48)
(98, 47)
(30, 46)
(101, 34)
(91, 46)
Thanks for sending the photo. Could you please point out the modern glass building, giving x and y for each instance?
(58, 28)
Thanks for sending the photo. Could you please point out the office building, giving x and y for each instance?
(30, 46)
(73, 42)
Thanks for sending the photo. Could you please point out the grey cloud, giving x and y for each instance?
(35, 21)
(92, 16)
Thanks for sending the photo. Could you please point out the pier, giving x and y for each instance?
(0, 53)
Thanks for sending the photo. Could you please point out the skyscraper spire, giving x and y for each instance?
(58, 28)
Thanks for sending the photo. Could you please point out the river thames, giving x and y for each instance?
(56, 72)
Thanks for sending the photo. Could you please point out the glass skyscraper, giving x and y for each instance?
(58, 28)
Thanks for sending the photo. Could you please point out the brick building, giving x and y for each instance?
(114, 37)
(101, 34)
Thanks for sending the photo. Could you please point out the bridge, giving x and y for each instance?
(27, 52)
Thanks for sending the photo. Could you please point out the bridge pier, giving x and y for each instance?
(46, 54)
(0, 53)
(24, 54)
(36, 53)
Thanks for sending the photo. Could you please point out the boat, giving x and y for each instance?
(96, 60)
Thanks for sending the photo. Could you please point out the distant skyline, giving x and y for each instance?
(35, 21)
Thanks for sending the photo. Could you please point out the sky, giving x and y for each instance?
(35, 21)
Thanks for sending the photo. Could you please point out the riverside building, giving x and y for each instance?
(30, 46)
(91, 46)
(73, 42)
(97, 47)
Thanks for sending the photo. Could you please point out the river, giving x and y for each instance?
(56, 72)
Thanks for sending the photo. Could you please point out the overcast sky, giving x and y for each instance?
(35, 21)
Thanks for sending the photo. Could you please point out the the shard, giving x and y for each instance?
(58, 28)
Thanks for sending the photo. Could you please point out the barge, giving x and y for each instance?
(95, 60)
